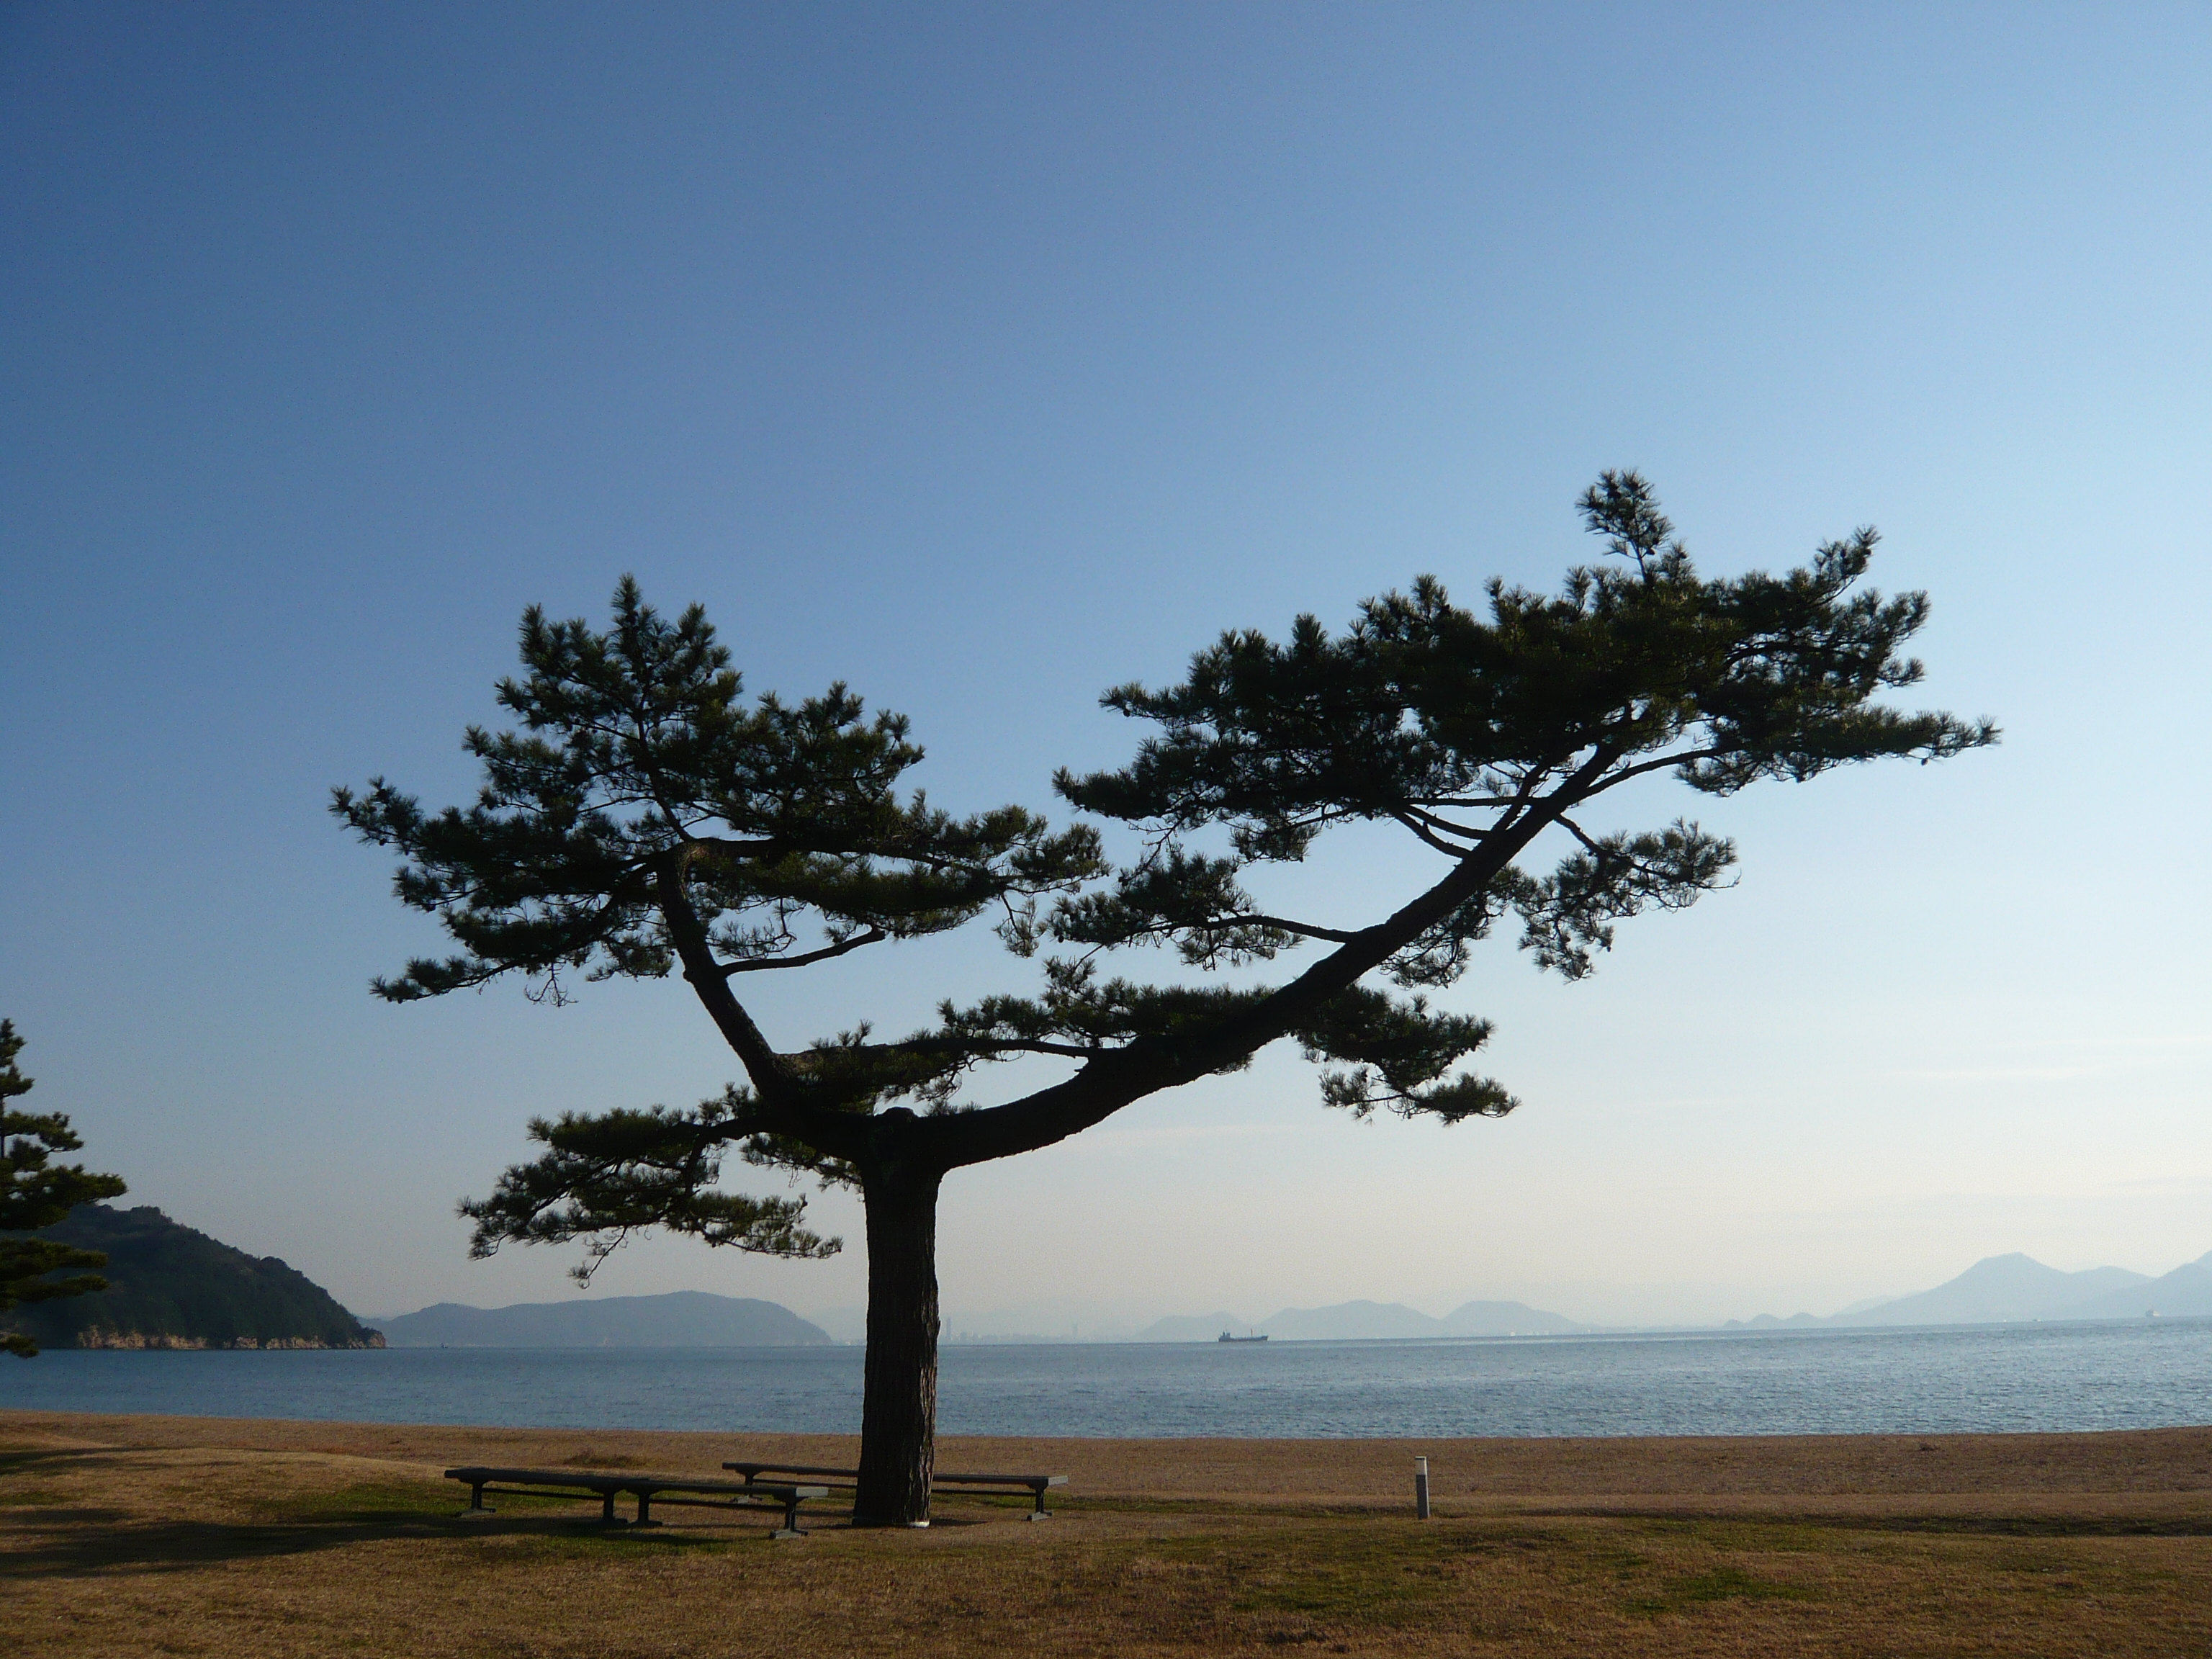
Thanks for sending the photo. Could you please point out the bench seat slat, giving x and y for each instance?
(598, 1484)
(1037, 1485)
(1023, 1480)
(647, 1489)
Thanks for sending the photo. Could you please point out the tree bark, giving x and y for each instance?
(898, 1412)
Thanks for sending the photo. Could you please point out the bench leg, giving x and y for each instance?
(1040, 1513)
(790, 1528)
(475, 1501)
(645, 1512)
(607, 1516)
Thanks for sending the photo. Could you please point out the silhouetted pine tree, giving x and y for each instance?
(35, 1191)
(647, 820)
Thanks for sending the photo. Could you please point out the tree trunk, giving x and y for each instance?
(898, 1413)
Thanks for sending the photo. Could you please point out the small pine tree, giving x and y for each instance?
(646, 821)
(35, 1191)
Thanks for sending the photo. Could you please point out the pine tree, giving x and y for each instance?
(34, 1193)
(645, 820)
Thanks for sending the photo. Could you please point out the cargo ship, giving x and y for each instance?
(1225, 1337)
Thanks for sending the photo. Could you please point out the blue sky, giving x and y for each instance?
(985, 357)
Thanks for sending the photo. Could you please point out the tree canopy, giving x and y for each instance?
(645, 820)
(36, 1192)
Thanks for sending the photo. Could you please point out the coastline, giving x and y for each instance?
(2176, 1462)
(95, 1337)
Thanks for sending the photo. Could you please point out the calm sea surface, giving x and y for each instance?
(2007, 1377)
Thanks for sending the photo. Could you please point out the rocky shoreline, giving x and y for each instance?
(172, 1286)
(96, 1338)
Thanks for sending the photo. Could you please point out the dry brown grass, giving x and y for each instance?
(130, 1536)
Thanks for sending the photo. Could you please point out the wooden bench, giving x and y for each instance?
(1037, 1485)
(647, 1489)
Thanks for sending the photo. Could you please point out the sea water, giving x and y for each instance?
(2143, 1375)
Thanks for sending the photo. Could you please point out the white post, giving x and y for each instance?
(1421, 1488)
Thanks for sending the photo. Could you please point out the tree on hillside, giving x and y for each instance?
(646, 821)
(35, 1191)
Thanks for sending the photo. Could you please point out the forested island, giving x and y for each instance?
(172, 1286)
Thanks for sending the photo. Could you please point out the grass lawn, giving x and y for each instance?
(144, 1535)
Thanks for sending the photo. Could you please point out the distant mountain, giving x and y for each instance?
(2185, 1292)
(2000, 1288)
(681, 1319)
(2008, 1289)
(172, 1286)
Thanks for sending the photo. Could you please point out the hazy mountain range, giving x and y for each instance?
(2005, 1288)
(2002, 1288)
(681, 1319)
(1996, 1291)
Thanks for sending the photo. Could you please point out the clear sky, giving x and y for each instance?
(988, 356)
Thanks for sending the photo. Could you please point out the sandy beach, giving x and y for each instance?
(130, 1535)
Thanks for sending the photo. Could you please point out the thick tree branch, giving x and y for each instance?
(965, 1045)
(1446, 826)
(1412, 821)
(725, 847)
(764, 964)
(1576, 831)
(1682, 757)
(780, 1107)
(1284, 924)
(1114, 1078)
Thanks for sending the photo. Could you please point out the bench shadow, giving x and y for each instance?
(76, 1543)
(18, 1462)
(73, 1540)
(42, 1539)
(85, 1541)
(80, 1541)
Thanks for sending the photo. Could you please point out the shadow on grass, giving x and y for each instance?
(46, 1457)
(69, 1541)
(75, 1543)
